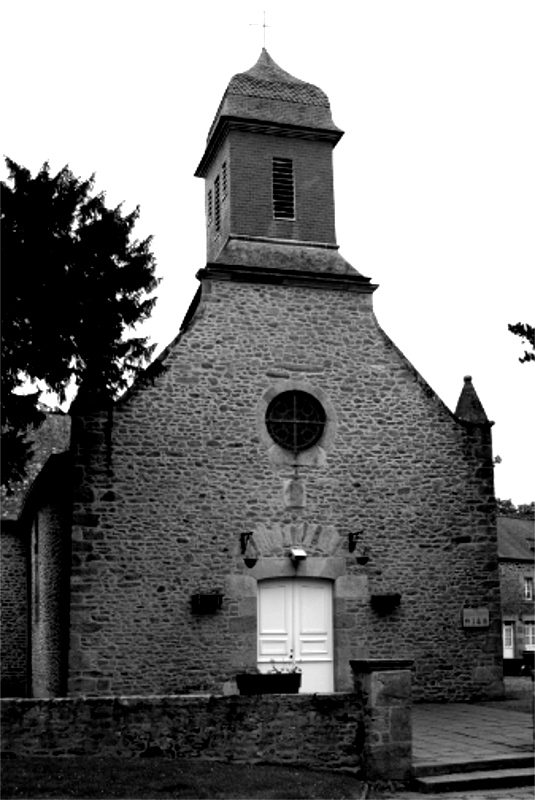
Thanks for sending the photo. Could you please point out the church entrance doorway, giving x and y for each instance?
(295, 625)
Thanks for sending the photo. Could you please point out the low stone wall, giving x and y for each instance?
(322, 730)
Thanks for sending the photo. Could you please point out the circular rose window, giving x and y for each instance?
(295, 420)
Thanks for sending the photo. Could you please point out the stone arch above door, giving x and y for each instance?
(276, 539)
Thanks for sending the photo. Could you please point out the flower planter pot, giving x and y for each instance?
(206, 603)
(269, 682)
(385, 603)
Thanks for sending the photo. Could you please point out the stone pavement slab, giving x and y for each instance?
(461, 732)
(522, 793)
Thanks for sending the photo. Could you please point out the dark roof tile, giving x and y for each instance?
(268, 93)
(469, 408)
(516, 540)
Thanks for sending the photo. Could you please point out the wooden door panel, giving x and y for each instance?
(313, 607)
(274, 621)
(295, 623)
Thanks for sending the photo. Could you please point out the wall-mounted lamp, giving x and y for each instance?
(353, 539)
(244, 540)
(297, 554)
(362, 557)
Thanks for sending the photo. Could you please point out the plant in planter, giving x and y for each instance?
(285, 679)
(385, 602)
(206, 602)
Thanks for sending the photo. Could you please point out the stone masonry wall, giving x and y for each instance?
(309, 730)
(168, 479)
(14, 612)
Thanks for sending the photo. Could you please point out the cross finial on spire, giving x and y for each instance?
(264, 26)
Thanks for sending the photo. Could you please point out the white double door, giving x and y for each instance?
(295, 625)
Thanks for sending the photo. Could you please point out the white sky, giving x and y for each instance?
(434, 178)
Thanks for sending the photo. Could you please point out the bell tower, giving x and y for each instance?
(269, 175)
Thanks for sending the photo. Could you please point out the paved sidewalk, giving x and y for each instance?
(461, 732)
(446, 733)
(523, 793)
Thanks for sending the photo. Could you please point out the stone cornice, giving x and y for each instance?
(226, 124)
(285, 277)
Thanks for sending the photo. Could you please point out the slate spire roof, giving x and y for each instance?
(267, 92)
(267, 79)
(469, 407)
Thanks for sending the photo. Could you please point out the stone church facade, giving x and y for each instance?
(289, 465)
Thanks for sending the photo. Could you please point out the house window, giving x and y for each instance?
(529, 635)
(217, 205)
(224, 181)
(210, 208)
(528, 588)
(295, 420)
(283, 189)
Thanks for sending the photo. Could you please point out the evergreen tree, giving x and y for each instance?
(74, 284)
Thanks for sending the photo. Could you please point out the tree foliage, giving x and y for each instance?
(527, 334)
(506, 508)
(75, 282)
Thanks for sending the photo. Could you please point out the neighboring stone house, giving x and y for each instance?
(290, 488)
(516, 552)
(51, 437)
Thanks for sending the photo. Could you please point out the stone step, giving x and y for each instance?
(476, 780)
(506, 761)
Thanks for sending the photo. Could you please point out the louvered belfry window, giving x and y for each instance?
(217, 205)
(295, 420)
(283, 189)
(224, 181)
(210, 208)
